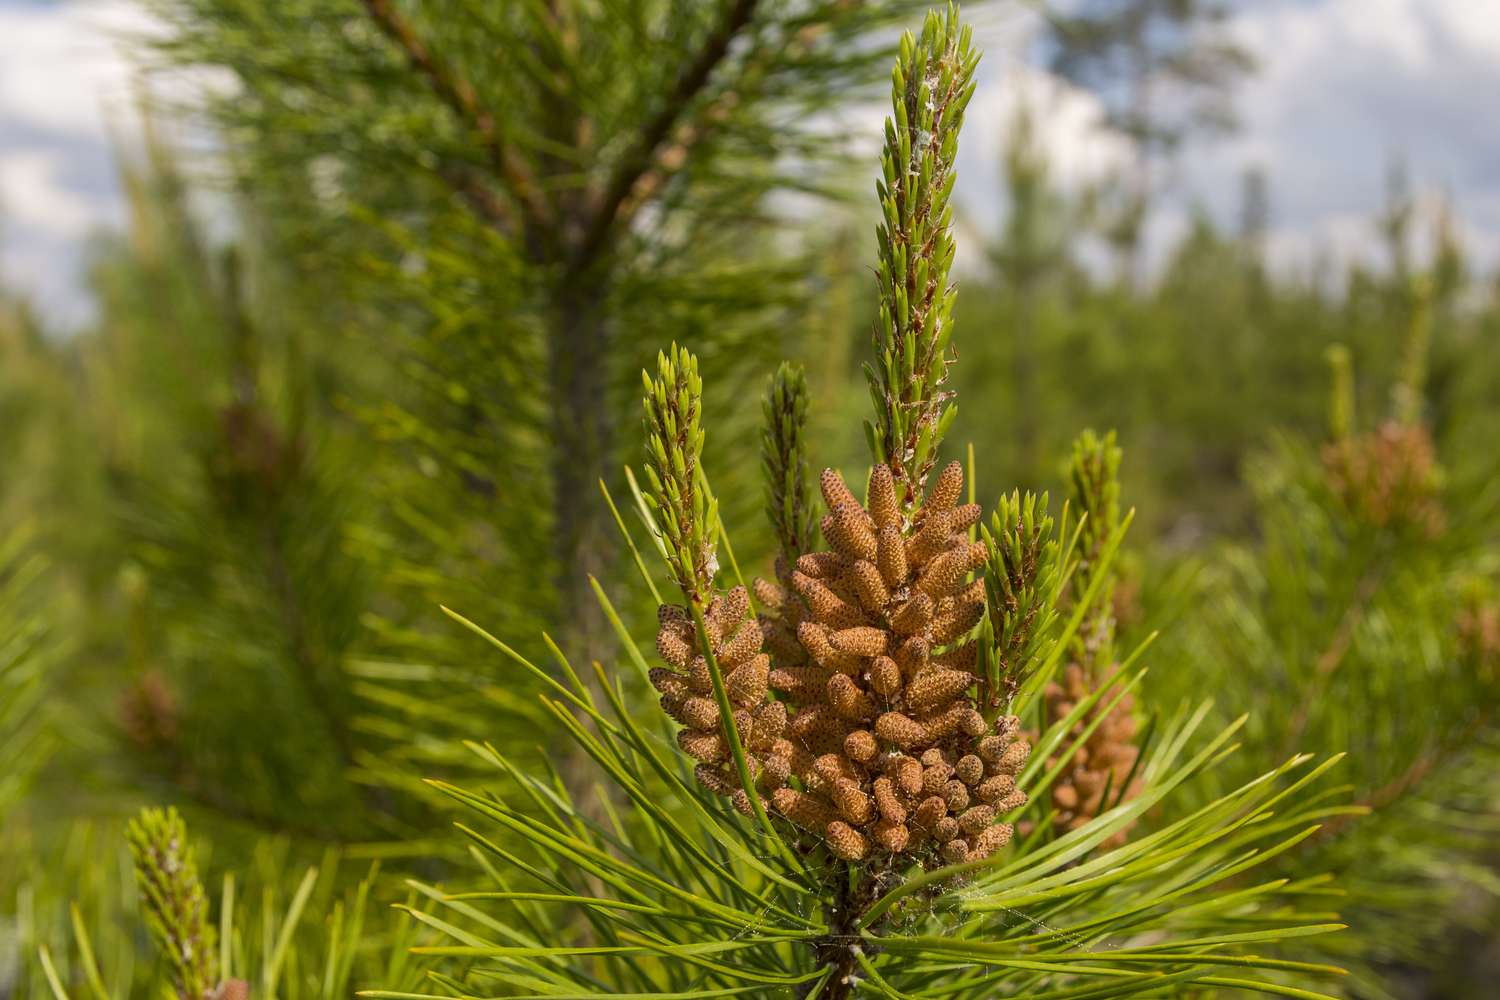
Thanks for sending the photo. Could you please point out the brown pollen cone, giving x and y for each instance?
(687, 695)
(148, 711)
(871, 650)
(1388, 477)
(1100, 767)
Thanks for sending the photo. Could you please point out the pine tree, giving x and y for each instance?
(1164, 69)
(231, 489)
(837, 818)
(532, 223)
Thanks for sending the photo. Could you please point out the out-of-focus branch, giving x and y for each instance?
(1393, 790)
(459, 94)
(1333, 654)
(652, 154)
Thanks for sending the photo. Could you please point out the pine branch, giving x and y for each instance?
(1023, 577)
(784, 461)
(459, 94)
(1416, 772)
(1332, 656)
(646, 154)
(1341, 421)
(930, 88)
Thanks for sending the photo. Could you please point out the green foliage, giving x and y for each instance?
(1024, 575)
(1344, 627)
(304, 933)
(230, 488)
(27, 653)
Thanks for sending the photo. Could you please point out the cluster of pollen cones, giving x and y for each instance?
(1104, 764)
(872, 740)
(1388, 477)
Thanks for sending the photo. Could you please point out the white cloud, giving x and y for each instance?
(65, 75)
(1343, 84)
(1067, 120)
(1342, 87)
(63, 64)
(33, 195)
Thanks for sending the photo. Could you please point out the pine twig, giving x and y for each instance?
(644, 155)
(686, 513)
(175, 904)
(931, 86)
(1022, 579)
(1095, 475)
(459, 94)
(784, 461)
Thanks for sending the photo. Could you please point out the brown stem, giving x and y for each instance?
(644, 155)
(854, 891)
(833, 948)
(459, 94)
(582, 435)
(1419, 769)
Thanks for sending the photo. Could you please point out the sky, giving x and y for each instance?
(1342, 86)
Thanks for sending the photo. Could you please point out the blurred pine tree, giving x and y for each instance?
(1164, 71)
(522, 228)
(232, 488)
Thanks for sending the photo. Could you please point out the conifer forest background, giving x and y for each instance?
(361, 632)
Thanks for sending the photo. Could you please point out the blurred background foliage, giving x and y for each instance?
(375, 349)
